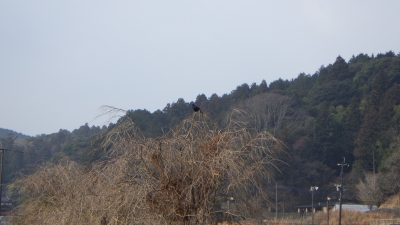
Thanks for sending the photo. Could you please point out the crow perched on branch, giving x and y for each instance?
(196, 109)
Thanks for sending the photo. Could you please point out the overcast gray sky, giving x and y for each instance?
(61, 60)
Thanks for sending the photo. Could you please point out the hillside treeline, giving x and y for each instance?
(345, 109)
(23, 153)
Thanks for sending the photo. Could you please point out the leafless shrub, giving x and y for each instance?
(369, 191)
(184, 176)
(273, 112)
(390, 182)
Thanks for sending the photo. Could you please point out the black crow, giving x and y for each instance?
(196, 108)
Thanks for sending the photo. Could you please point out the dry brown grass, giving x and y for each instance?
(348, 218)
(182, 177)
(352, 217)
(377, 217)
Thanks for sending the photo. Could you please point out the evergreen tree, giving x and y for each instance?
(253, 89)
(242, 92)
(279, 85)
(351, 128)
(338, 71)
(327, 132)
(378, 88)
(263, 87)
(301, 85)
(365, 151)
(200, 99)
(360, 58)
(12, 157)
(386, 109)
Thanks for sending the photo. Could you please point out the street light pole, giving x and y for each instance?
(229, 199)
(312, 189)
(341, 188)
(327, 209)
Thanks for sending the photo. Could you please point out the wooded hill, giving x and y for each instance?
(5, 132)
(345, 109)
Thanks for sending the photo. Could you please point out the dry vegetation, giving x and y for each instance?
(183, 177)
(353, 217)
(348, 218)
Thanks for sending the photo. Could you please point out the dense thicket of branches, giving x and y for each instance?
(184, 176)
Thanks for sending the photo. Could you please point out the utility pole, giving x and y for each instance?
(373, 160)
(312, 189)
(1, 174)
(341, 188)
(276, 201)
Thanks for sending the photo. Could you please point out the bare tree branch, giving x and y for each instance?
(184, 176)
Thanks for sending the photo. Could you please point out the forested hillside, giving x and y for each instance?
(346, 109)
(24, 153)
(5, 132)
